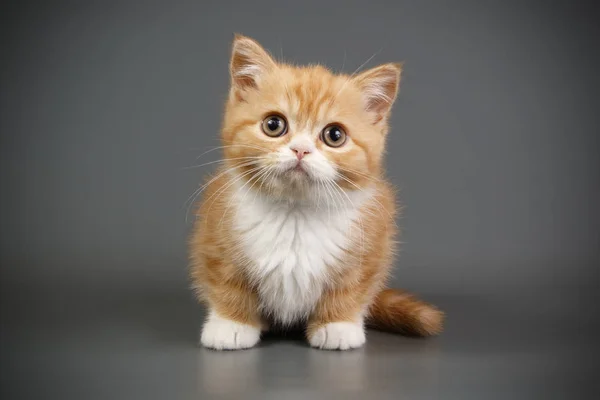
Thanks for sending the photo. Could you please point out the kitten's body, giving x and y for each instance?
(284, 238)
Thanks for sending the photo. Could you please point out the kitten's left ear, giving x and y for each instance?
(379, 87)
(249, 62)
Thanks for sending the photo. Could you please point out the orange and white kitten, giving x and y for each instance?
(298, 225)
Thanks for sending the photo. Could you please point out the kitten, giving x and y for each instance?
(298, 225)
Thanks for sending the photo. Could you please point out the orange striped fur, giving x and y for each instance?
(343, 287)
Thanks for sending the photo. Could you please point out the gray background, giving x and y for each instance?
(494, 146)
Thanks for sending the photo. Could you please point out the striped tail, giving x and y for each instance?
(397, 311)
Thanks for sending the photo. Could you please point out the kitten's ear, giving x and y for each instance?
(379, 87)
(249, 61)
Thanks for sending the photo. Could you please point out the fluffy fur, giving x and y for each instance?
(291, 230)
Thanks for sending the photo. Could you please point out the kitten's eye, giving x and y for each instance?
(274, 126)
(333, 136)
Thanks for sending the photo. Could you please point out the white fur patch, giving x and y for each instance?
(249, 71)
(339, 336)
(291, 248)
(224, 334)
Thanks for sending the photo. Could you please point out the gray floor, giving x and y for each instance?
(111, 345)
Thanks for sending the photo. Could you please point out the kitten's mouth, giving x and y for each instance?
(298, 171)
(299, 168)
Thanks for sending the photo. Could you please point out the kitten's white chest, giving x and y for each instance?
(291, 250)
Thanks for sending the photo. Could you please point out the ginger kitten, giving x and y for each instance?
(298, 225)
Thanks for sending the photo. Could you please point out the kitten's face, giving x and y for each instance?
(299, 132)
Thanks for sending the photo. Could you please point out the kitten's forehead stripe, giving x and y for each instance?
(314, 93)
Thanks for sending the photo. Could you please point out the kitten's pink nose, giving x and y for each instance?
(300, 151)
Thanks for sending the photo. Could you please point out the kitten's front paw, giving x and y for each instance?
(224, 334)
(338, 336)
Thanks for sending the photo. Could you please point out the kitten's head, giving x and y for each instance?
(298, 131)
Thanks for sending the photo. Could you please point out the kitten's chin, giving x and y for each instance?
(296, 183)
(293, 185)
(298, 174)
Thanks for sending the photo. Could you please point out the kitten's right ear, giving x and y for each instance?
(249, 62)
(379, 87)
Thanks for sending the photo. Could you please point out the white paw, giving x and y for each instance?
(224, 334)
(339, 336)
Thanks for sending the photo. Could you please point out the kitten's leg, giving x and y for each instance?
(233, 320)
(338, 321)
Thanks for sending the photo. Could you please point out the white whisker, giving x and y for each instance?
(381, 207)
(231, 145)
(192, 198)
(255, 178)
(222, 189)
(222, 161)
